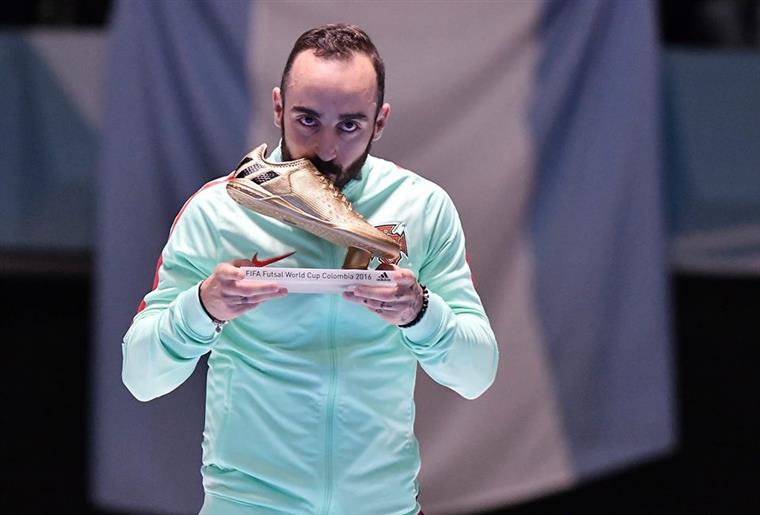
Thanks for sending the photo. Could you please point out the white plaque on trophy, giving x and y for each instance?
(320, 280)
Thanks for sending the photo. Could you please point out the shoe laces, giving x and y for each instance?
(329, 186)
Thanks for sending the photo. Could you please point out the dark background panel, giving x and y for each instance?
(55, 13)
(46, 335)
(710, 23)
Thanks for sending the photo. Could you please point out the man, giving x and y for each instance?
(309, 405)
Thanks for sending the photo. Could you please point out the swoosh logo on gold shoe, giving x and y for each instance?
(268, 261)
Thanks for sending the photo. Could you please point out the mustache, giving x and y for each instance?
(325, 167)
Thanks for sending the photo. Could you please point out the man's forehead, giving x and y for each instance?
(350, 80)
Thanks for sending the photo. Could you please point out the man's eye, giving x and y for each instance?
(308, 121)
(349, 126)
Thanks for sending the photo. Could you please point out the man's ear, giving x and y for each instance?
(277, 107)
(381, 121)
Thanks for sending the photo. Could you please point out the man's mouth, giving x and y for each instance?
(326, 168)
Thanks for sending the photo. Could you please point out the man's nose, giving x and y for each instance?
(327, 146)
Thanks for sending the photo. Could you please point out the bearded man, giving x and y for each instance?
(309, 403)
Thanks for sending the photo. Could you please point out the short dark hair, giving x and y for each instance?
(337, 41)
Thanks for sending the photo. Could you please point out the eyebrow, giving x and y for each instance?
(315, 114)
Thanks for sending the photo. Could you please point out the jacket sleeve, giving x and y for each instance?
(172, 331)
(453, 342)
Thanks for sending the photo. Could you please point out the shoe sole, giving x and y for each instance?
(262, 201)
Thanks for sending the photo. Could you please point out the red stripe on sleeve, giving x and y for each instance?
(160, 260)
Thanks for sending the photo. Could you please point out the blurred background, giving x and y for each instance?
(615, 142)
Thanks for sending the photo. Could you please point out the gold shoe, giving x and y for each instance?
(296, 193)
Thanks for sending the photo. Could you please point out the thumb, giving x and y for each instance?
(230, 271)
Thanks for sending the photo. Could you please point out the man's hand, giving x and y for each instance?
(397, 304)
(226, 296)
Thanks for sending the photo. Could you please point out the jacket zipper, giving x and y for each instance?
(330, 398)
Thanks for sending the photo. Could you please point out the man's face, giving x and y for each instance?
(330, 113)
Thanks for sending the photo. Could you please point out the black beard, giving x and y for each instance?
(337, 175)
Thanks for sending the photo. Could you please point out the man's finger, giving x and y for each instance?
(401, 275)
(404, 276)
(375, 304)
(398, 292)
(229, 272)
(261, 297)
(250, 288)
(385, 293)
(239, 304)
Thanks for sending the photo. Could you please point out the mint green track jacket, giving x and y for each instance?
(309, 398)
